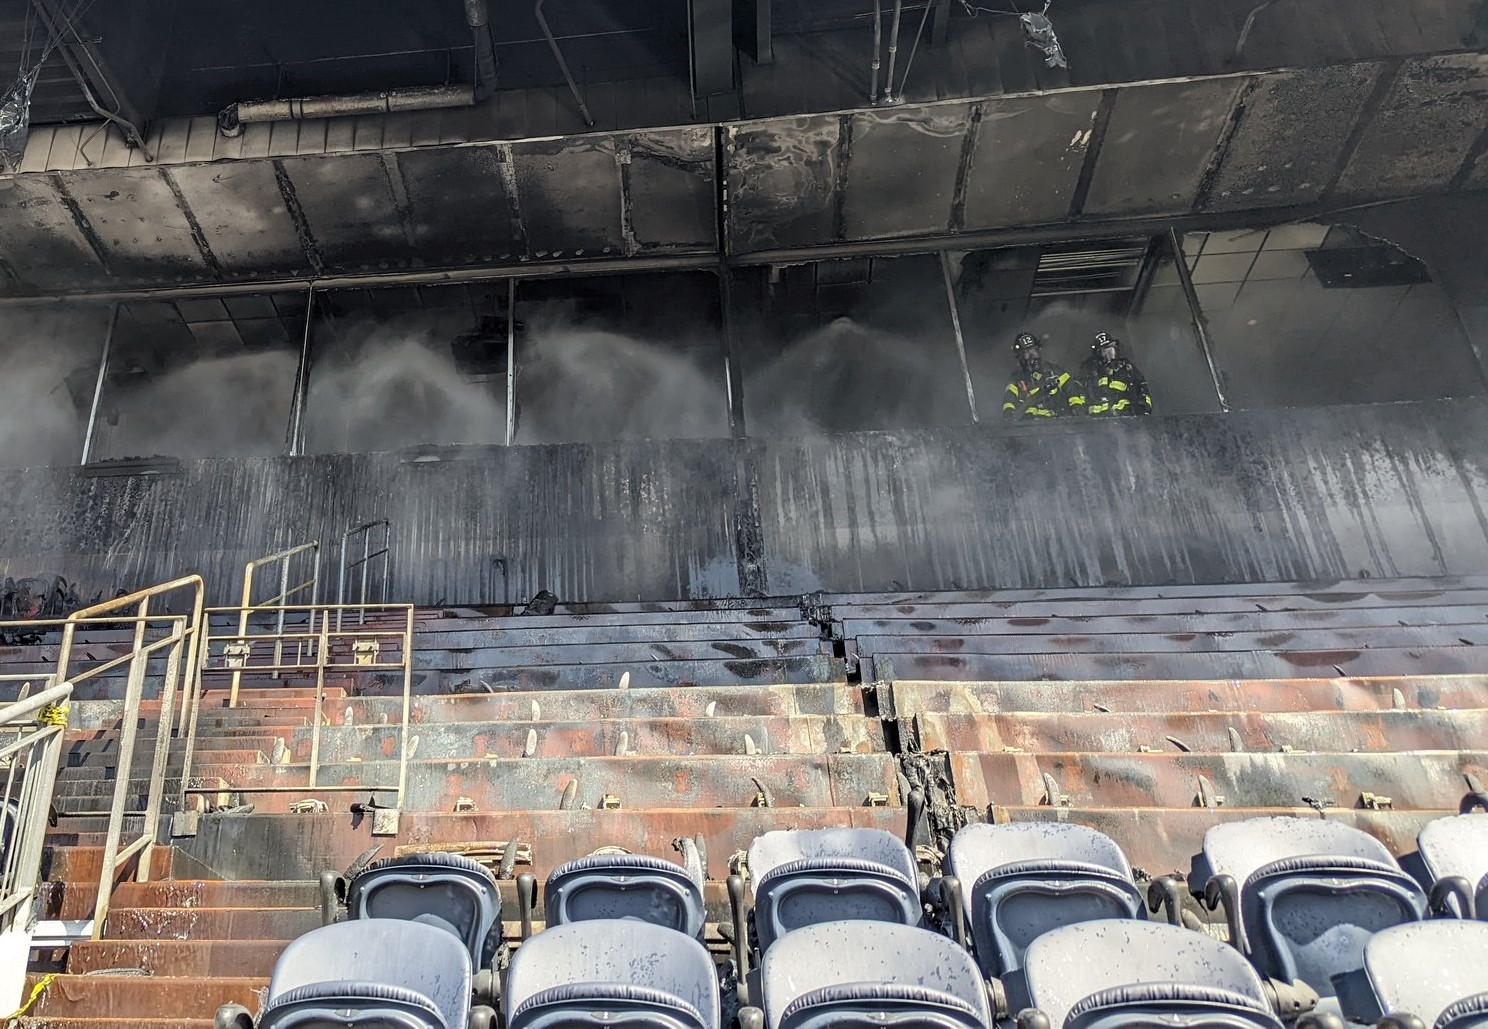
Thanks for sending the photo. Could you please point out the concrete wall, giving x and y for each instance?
(1388, 490)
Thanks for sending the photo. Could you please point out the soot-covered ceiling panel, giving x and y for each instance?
(783, 180)
(459, 211)
(902, 170)
(672, 189)
(42, 246)
(1434, 116)
(570, 197)
(243, 217)
(1160, 141)
(352, 215)
(141, 225)
(1291, 137)
(1029, 151)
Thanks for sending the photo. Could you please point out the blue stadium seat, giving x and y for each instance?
(1304, 895)
(803, 877)
(1436, 971)
(611, 974)
(625, 886)
(449, 891)
(382, 973)
(1125, 972)
(870, 975)
(1454, 852)
(1021, 880)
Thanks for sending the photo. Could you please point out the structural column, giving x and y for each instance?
(950, 288)
(1200, 323)
(296, 443)
(103, 367)
(511, 363)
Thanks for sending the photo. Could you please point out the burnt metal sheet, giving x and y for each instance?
(351, 210)
(903, 169)
(672, 190)
(1166, 642)
(460, 211)
(515, 655)
(783, 182)
(1160, 142)
(570, 192)
(242, 214)
(42, 245)
(1027, 160)
(1425, 129)
(143, 229)
(1291, 137)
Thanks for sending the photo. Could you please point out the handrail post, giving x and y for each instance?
(320, 670)
(161, 759)
(407, 705)
(128, 730)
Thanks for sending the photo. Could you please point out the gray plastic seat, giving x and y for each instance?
(1121, 972)
(377, 972)
(1456, 848)
(802, 877)
(611, 973)
(870, 974)
(625, 886)
(1437, 971)
(1310, 893)
(449, 891)
(1021, 880)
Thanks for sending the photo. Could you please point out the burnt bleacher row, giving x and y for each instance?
(529, 766)
(843, 927)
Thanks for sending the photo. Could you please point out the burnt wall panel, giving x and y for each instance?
(1291, 137)
(673, 190)
(351, 210)
(142, 228)
(242, 215)
(1427, 127)
(1028, 158)
(42, 246)
(902, 177)
(570, 192)
(782, 178)
(459, 211)
(1160, 141)
(1388, 490)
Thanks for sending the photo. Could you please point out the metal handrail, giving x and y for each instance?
(368, 555)
(36, 751)
(181, 645)
(317, 645)
(276, 602)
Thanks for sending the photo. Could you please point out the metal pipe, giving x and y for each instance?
(877, 48)
(131, 131)
(296, 440)
(573, 87)
(945, 273)
(1200, 323)
(478, 17)
(511, 361)
(103, 366)
(893, 51)
(432, 98)
(914, 48)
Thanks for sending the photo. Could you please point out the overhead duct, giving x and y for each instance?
(428, 98)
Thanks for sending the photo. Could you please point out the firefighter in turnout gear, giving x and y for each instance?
(1040, 390)
(1114, 387)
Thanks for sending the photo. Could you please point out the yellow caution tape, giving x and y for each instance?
(36, 992)
(53, 714)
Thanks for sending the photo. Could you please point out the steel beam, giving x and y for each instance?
(511, 361)
(1200, 321)
(103, 367)
(295, 445)
(950, 288)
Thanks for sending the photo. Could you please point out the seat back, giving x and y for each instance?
(449, 891)
(804, 877)
(1425, 969)
(1100, 974)
(390, 972)
(1312, 893)
(1021, 880)
(625, 886)
(1457, 847)
(604, 972)
(862, 974)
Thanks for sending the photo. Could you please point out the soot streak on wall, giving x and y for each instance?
(1379, 491)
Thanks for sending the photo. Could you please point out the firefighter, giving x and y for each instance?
(1039, 389)
(1114, 387)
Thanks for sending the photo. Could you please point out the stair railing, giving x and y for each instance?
(246, 609)
(362, 565)
(178, 639)
(31, 740)
(312, 644)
